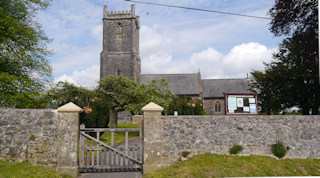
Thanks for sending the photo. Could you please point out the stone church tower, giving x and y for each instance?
(120, 53)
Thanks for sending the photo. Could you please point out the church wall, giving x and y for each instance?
(120, 54)
(117, 64)
(110, 42)
(209, 104)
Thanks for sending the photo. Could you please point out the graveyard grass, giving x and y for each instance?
(213, 165)
(24, 169)
(118, 136)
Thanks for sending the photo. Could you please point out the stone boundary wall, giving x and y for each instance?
(41, 136)
(166, 137)
(29, 135)
(256, 134)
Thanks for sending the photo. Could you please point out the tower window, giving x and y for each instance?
(119, 31)
(217, 107)
(118, 72)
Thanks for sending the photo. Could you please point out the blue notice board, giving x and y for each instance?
(232, 103)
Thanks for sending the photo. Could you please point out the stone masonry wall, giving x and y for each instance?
(40, 136)
(29, 135)
(169, 136)
(217, 134)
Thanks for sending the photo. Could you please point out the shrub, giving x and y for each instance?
(279, 150)
(235, 149)
(185, 154)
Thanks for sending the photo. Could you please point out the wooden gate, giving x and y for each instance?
(101, 157)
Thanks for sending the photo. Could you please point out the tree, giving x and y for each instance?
(291, 16)
(186, 106)
(125, 94)
(96, 110)
(292, 78)
(24, 69)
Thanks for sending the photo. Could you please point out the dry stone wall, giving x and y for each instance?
(166, 137)
(29, 135)
(46, 137)
(217, 134)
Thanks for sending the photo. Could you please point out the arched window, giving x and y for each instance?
(119, 31)
(217, 107)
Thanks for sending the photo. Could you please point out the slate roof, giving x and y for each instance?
(214, 88)
(179, 84)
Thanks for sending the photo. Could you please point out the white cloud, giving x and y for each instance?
(86, 78)
(96, 32)
(245, 57)
(77, 59)
(242, 59)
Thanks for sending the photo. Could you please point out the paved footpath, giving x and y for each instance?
(112, 175)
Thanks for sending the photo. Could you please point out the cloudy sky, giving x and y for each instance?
(171, 40)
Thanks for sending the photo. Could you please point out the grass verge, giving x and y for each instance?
(24, 169)
(213, 165)
(118, 136)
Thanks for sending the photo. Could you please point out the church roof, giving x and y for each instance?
(214, 88)
(179, 84)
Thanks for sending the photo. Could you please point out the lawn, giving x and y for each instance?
(213, 165)
(118, 136)
(24, 169)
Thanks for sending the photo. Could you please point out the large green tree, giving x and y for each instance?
(292, 78)
(125, 94)
(186, 106)
(96, 110)
(24, 69)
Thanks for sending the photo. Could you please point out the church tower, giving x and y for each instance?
(120, 53)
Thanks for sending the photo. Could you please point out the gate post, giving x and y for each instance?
(152, 130)
(68, 139)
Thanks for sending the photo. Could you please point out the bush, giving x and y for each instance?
(235, 149)
(279, 150)
(185, 154)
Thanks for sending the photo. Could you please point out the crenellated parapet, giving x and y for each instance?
(118, 14)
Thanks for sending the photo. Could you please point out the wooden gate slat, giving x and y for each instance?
(111, 148)
(102, 156)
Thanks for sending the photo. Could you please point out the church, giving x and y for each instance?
(120, 56)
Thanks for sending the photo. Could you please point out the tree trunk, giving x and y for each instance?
(113, 118)
(305, 111)
(315, 110)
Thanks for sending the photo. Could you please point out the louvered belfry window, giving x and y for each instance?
(119, 31)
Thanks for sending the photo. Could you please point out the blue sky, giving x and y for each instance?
(171, 40)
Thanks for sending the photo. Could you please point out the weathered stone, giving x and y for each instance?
(38, 135)
(217, 134)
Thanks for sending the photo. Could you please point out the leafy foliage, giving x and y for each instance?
(279, 150)
(292, 78)
(185, 154)
(235, 149)
(64, 92)
(24, 69)
(290, 16)
(125, 94)
(186, 106)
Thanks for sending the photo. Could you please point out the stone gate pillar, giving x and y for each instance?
(68, 139)
(153, 142)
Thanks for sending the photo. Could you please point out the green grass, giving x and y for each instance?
(24, 169)
(118, 136)
(212, 165)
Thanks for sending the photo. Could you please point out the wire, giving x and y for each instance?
(205, 10)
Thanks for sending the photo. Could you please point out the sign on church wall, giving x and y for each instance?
(241, 103)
